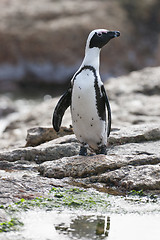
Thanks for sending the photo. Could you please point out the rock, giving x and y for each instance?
(122, 170)
(36, 136)
(135, 133)
(133, 149)
(68, 146)
(45, 152)
(18, 165)
(133, 100)
(29, 114)
(16, 185)
(77, 166)
(133, 178)
(137, 82)
(137, 151)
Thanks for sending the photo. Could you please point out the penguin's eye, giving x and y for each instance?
(99, 34)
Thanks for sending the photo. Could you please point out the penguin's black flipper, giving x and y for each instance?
(108, 108)
(62, 105)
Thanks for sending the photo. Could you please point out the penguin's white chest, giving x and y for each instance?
(87, 125)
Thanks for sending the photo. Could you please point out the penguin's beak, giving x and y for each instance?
(117, 34)
(113, 34)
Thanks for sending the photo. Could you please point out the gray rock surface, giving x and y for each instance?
(133, 162)
(17, 184)
(41, 153)
(135, 98)
(36, 136)
(133, 177)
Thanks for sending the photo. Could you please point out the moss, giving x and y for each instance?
(63, 197)
(77, 197)
(140, 193)
(11, 225)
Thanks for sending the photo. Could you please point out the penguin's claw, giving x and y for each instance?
(83, 151)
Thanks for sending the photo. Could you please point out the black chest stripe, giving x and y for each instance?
(100, 103)
(86, 67)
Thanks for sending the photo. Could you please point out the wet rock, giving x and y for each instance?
(36, 136)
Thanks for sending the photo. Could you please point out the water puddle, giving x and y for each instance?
(65, 225)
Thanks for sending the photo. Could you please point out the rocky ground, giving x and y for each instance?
(29, 168)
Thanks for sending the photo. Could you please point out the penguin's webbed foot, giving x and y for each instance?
(83, 151)
(102, 150)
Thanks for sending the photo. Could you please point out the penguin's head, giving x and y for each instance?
(100, 37)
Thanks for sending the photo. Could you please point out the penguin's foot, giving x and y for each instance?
(102, 150)
(83, 151)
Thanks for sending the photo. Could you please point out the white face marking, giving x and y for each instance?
(99, 31)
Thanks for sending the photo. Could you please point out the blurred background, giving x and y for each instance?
(42, 41)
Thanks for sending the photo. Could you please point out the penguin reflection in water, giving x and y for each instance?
(87, 98)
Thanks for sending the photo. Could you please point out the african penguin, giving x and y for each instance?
(87, 98)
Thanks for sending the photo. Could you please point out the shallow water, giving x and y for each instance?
(125, 218)
(65, 225)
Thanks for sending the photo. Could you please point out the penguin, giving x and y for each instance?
(87, 98)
